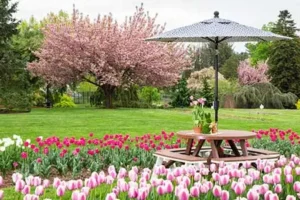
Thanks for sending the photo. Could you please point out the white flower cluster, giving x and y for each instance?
(6, 142)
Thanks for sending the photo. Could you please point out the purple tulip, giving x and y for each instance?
(217, 191)
(195, 191)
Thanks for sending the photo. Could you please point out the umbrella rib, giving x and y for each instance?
(209, 39)
(224, 38)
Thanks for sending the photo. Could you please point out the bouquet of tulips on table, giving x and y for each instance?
(202, 120)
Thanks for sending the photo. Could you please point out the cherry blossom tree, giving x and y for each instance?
(108, 54)
(249, 75)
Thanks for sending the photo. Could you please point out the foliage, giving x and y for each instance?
(229, 68)
(207, 93)
(149, 94)
(207, 54)
(180, 94)
(200, 118)
(97, 98)
(298, 104)
(128, 97)
(65, 102)
(16, 100)
(285, 142)
(249, 75)
(285, 56)
(86, 87)
(251, 96)
(259, 52)
(195, 82)
(114, 53)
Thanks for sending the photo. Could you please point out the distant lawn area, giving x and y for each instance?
(81, 121)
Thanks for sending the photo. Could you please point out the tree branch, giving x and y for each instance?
(88, 80)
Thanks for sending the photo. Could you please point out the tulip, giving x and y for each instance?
(1, 194)
(263, 188)
(132, 175)
(224, 195)
(26, 190)
(19, 185)
(142, 193)
(60, 191)
(297, 169)
(168, 186)
(287, 170)
(296, 186)
(132, 192)
(85, 190)
(197, 177)
(79, 183)
(213, 167)
(46, 183)
(239, 188)
(39, 190)
(252, 195)
(217, 191)
(183, 194)
(92, 182)
(170, 177)
(215, 176)
(224, 180)
(276, 178)
(1, 180)
(267, 195)
(160, 190)
(56, 182)
(111, 196)
(122, 173)
(16, 176)
(135, 169)
(109, 180)
(289, 178)
(278, 188)
(204, 189)
(72, 185)
(186, 180)
(195, 191)
(273, 197)
(290, 197)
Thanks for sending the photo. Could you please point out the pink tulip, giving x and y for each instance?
(109, 180)
(216, 176)
(1, 194)
(247, 164)
(287, 170)
(267, 195)
(213, 167)
(39, 190)
(111, 196)
(142, 193)
(297, 169)
(19, 185)
(217, 191)
(92, 182)
(263, 188)
(204, 189)
(186, 180)
(273, 197)
(195, 191)
(197, 177)
(1, 180)
(170, 177)
(122, 173)
(224, 195)
(132, 175)
(289, 178)
(160, 190)
(46, 183)
(56, 182)
(132, 192)
(60, 191)
(239, 188)
(16, 176)
(267, 169)
(252, 195)
(278, 188)
(183, 194)
(26, 190)
(296, 186)
(72, 185)
(276, 178)
(224, 180)
(101, 178)
(37, 181)
(248, 180)
(290, 197)
(79, 183)
(168, 186)
(85, 190)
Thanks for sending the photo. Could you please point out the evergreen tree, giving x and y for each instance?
(285, 56)
(180, 94)
(207, 93)
(229, 69)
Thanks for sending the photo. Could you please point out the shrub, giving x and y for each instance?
(250, 74)
(180, 94)
(298, 104)
(65, 102)
(149, 94)
(251, 96)
(16, 101)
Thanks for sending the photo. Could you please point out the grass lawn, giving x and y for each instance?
(81, 121)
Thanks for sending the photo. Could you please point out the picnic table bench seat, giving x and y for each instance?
(271, 157)
(253, 151)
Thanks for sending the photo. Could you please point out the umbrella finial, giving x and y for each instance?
(216, 13)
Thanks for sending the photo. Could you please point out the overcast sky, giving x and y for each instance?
(175, 13)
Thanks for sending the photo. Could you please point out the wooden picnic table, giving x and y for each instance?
(215, 141)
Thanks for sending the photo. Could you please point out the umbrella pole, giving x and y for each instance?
(216, 99)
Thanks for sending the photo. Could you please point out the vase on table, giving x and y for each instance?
(197, 129)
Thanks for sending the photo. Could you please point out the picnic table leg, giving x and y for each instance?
(214, 149)
(218, 145)
(198, 148)
(244, 148)
(234, 148)
(189, 147)
(169, 163)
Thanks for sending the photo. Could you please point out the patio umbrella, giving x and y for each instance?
(216, 30)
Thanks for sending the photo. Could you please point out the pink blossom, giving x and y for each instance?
(217, 191)
(252, 195)
(224, 195)
(183, 194)
(195, 191)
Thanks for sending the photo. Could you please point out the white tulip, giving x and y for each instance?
(261, 106)
(28, 140)
(2, 148)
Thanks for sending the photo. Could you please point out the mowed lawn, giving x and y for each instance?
(80, 121)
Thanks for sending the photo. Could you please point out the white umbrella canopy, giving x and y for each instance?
(216, 30)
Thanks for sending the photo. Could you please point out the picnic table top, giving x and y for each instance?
(221, 135)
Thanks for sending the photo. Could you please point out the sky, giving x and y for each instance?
(175, 13)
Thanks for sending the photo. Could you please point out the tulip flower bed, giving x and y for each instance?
(286, 142)
(272, 181)
(71, 157)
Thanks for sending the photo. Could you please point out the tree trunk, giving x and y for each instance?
(108, 93)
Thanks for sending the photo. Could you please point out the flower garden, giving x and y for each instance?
(121, 167)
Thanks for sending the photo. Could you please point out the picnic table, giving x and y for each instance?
(191, 154)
